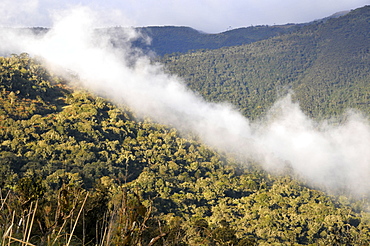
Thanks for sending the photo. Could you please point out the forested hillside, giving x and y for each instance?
(175, 39)
(77, 170)
(161, 40)
(326, 64)
(171, 39)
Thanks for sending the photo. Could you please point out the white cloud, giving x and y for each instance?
(325, 155)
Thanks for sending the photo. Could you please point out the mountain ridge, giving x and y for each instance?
(172, 39)
(182, 39)
(325, 63)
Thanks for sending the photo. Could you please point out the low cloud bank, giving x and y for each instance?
(333, 156)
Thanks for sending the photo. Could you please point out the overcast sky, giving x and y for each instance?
(206, 15)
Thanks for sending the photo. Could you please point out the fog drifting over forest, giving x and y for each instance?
(322, 154)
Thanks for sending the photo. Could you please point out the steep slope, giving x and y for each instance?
(326, 64)
(66, 152)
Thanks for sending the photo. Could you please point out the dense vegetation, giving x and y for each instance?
(175, 39)
(161, 40)
(326, 64)
(171, 39)
(77, 170)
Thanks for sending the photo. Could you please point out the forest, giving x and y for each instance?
(173, 39)
(77, 169)
(162, 40)
(326, 65)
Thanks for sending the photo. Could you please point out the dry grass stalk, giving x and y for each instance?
(27, 223)
(6, 197)
(5, 236)
(78, 216)
(8, 235)
(33, 218)
(20, 241)
(11, 227)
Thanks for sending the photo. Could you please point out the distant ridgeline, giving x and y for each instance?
(175, 39)
(180, 39)
(76, 170)
(326, 64)
(171, 39)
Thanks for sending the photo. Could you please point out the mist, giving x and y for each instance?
(323, 154)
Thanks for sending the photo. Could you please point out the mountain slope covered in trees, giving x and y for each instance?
(177, 39)
(326, 65)
(171, 39)
(77, 170)
(162, 40)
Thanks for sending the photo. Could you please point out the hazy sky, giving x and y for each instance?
(205, 15)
